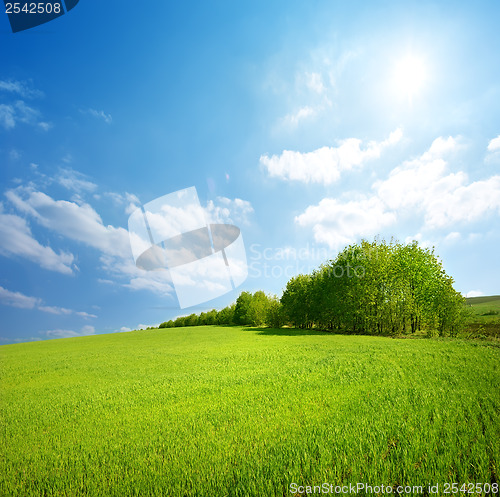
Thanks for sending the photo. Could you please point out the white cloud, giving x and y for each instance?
(85, 314)
(493, 155)
(441, 147)
(444, 198)
(124, 329)
(99, 114)
(161, 285)
(132, 206)
(45, 126)
(7, 114)
(158, 282)
(421, 188)
(416, 180)
(452, 237)
(171, 220)
(226, 210)
(25, 113)
(79, 222)
(295, 118)
(131, 201)
(55, 310)
(85, 331)
(325, 164)
(308, 90)
(117, 198)
(75, 181)
(420, 239)
(474, 293)
(494, 144)
(22, 88)
(18, 112)
(16, 240)
(338, 224)
(464, 203)
(314, 82)
(17, 299)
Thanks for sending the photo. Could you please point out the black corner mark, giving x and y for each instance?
(27, 14)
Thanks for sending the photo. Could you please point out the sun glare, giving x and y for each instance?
(409, 76)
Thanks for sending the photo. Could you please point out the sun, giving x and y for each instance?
(410, 75)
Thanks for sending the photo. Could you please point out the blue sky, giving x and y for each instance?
(309, 125)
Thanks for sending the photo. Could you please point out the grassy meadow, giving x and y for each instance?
(485, 318)
(229, 411)
(485, 309)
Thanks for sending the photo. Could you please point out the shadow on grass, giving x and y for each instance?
(295, 332)
(288, 332)
(489, 334)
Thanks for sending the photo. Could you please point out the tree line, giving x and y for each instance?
(372, 287)
(257, 309)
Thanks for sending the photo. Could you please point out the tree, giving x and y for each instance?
(274, 314)
(371, 287)
(242, 308)
(296, 301)
(211, 317)
(202, 319)
(257, 309)
(167, 324)
(191, 320)
(226, 315)
(379, 288)
(180, 321)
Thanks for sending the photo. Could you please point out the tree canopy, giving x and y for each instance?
(377, 288)
(371, 287)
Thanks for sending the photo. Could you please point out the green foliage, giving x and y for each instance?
(296, 301)
(180, 321)
(257, 311)
(491, 312)
(211, 317)
(214, 411)
(242, 308)
(207, 318)
(377, 288)
(374, 288)
(226, 315)
(274, 314)
(167, 324)
(191, 320)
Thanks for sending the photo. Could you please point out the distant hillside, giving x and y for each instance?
(481, 300)
(486, 311)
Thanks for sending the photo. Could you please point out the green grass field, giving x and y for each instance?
(485, 319)
(485, 309)
(214, 411)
